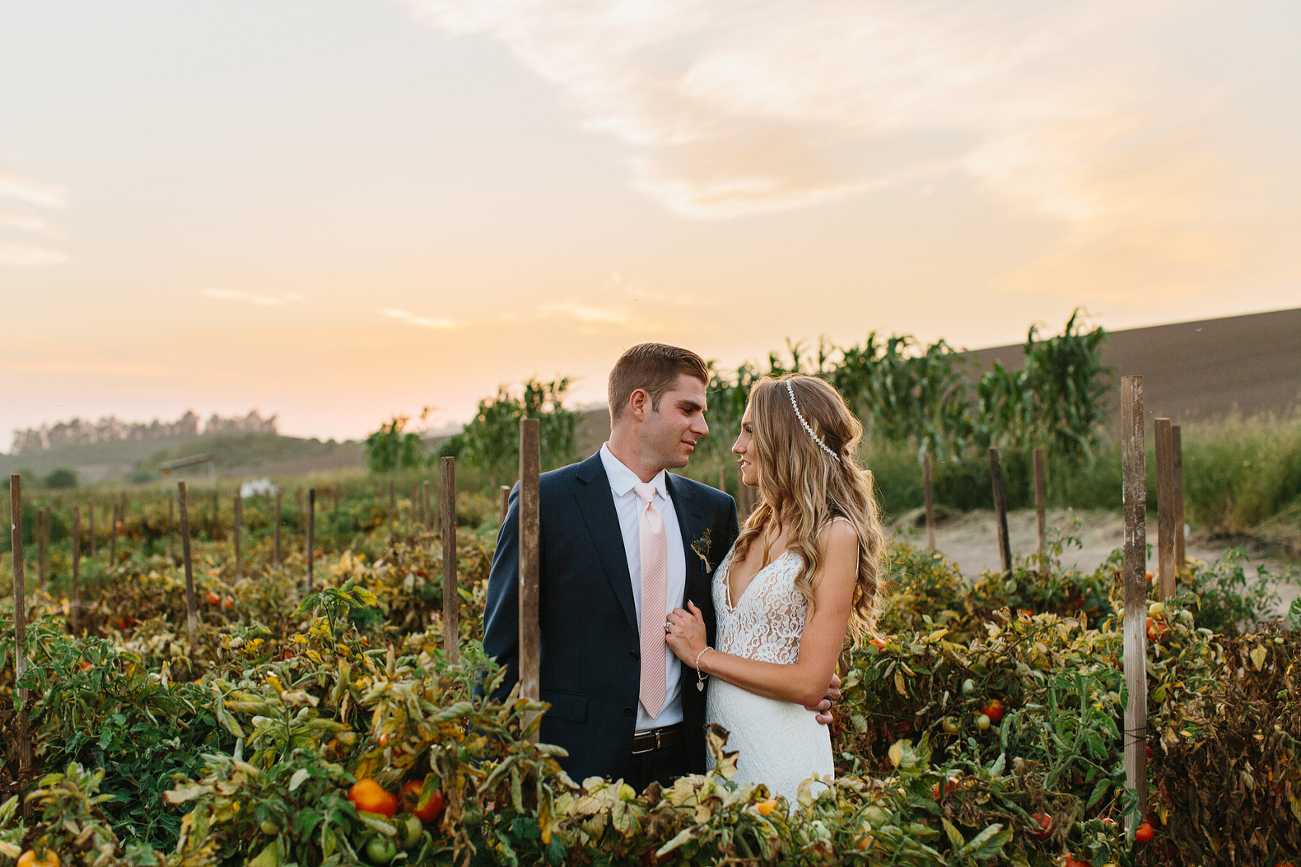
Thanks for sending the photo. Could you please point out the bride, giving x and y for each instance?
(804, 574)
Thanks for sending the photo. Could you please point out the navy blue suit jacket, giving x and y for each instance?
(590, 667)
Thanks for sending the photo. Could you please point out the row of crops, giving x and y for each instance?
(328, 728)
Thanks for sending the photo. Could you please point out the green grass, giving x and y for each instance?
(1237, 475)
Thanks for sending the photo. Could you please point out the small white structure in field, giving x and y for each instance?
(258, 488)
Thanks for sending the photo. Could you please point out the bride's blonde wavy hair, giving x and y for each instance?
(803, 487)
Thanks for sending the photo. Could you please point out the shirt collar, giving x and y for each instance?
(623, 479)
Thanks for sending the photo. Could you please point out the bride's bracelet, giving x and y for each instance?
(700, 676)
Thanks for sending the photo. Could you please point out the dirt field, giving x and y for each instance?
(971, 541)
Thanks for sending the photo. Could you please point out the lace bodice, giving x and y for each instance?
(767, 622)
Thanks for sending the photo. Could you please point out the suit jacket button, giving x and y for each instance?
(629, 712)
(634, 655)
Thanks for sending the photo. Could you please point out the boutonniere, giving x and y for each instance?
(701, 547)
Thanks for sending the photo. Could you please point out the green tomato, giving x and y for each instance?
(982, 722)
(411, 829)
(877, 816)
(968, 686)
(381, 849)
(952, 725)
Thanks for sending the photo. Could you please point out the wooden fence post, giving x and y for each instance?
(311, 532)
(75, 613)
(171, 530)
(191, 613)
(1165, 508)
(451, 599)
(930, 502)
(275, 554)
(239, 522)
(1041, 500)
(43, 541)
(1134, 490)
(1177, 462)
(504, 505)
(20, 623)
(1000, 511)
(530, 642)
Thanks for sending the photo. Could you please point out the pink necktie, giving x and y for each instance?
(654, 600)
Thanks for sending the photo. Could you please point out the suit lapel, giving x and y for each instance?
(596, 504)
(691, 523)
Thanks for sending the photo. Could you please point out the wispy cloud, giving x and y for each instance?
(17, 187)
(28, 256)
(739, 106)
(423, 321)
(585, 313)
(32, 192)
(249, 298)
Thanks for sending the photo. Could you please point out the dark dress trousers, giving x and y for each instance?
(590, 666)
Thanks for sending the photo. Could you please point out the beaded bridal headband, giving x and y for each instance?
(799, 415)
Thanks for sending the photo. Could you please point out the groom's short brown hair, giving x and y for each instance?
(654, 368)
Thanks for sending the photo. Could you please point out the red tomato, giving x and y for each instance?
(993, 710)
(1143, 833)
(1045, 826)
(432, 810)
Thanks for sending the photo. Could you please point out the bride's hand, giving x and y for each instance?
(685, 633)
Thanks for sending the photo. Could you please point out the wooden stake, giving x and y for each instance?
(503, 495)
(1177, 462)
(191, 608)
(930, 503)
(429, 512)
(1165, 509)
(1000, 511)
(239, 522)
(75, 614)
(311, 540)
(417, 516)
(43, 541)
(1134, 490)
(530, 638)
(171, 530)
(112, 540)
(90, 518)
(20, 622)
(1041, 500)
(451, 600)
(276, 551)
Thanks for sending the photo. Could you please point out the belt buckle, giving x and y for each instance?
(656, 733)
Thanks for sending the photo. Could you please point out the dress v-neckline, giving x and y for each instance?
(727, 583)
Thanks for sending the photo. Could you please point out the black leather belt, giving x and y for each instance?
(654, 739)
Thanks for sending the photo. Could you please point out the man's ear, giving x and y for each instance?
(639, 404)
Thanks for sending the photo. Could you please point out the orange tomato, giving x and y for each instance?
(31, 859)
(1143, 833)
(993, 710)
(369, 796)
(763, 808)
(212, 599)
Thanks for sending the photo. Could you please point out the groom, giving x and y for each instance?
(623, 542)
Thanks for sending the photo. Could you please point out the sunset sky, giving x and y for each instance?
(337, 211)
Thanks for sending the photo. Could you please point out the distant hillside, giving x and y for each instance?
(1203, 370)
(236, 455)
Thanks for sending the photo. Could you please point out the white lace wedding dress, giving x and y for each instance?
(781, 744)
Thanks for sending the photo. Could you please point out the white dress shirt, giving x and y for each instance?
(629, 507)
